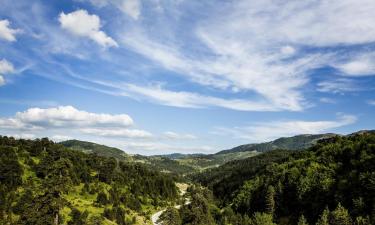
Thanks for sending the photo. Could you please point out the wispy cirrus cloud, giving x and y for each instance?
(265, 56)
(259, 132)
(132, 8)
(6, 67)
(338, 86)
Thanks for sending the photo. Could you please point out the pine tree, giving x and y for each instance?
(340, 216)
(324, 218)
(270, 200)
(302, 220)
(262, 219)
(102, 198)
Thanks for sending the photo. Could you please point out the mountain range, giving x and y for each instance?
(189, 163)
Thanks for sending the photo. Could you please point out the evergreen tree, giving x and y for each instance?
(270, 200)
(262, 219)
(78, 218)
(324, 218)
(102, 198)
(302, 220)
(171, 216)
(340, 216)
(362, 221)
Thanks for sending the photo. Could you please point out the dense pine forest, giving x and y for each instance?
(44, 183)
(330, 183)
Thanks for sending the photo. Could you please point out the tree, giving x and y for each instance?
(102, 198)
(171, 216)
(340, 216)
(78, 218)
(362, 221)
(262, 219)
(270, 200)
(302, 220)
(324, 218)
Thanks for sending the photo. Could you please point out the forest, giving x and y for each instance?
(45, 183)
(330, 183)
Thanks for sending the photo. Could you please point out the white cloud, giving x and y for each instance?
(59, 138)
(131, 7)
(68, 116)
(371, 102)
(124, 133)
(52, 122)
(260, 132)
(362, 65)
(288, 50)
(155, 93)
(176, 136)
(327, 100)
(22, 136)
(6, 67)
(7, 33)
(63, 117)
(253, 49)
(82, 24)
(2, 81)
(337, 86)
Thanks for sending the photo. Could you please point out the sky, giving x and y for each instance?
(187, 76)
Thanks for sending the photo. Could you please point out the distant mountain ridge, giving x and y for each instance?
(297, 142)
(101, 150)
(189, 163)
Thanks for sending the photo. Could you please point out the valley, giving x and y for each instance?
(297, 180)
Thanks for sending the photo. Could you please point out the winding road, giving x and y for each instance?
(155, 217)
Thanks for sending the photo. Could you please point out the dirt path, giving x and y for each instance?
(155, 217)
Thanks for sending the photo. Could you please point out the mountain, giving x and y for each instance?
(158, 163)
(101, 150)
(332, 182)
(190, 163)
(42, 182)
(298, 142)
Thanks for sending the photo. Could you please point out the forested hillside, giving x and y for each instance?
(101, 150)
(332, 183)
(298, 142)
(45, 183)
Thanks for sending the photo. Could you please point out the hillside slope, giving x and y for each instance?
(332, 182)
(45, 183)
(298, 142)
(101, 150)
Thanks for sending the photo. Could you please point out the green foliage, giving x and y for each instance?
(45, 183)
(340, 216)
(171, 216)
(340, 169)
(302, 220)
(102, 198)
(270, 200)
(100, 150)
(198, 211)
(228, 178)
(78, 218)
(324, 218)
(298, 142)
(262, 219)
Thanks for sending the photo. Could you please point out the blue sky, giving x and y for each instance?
(153, 76)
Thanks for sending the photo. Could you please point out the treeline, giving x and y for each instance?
(331, 183)
(226, 179)
(44, 183)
